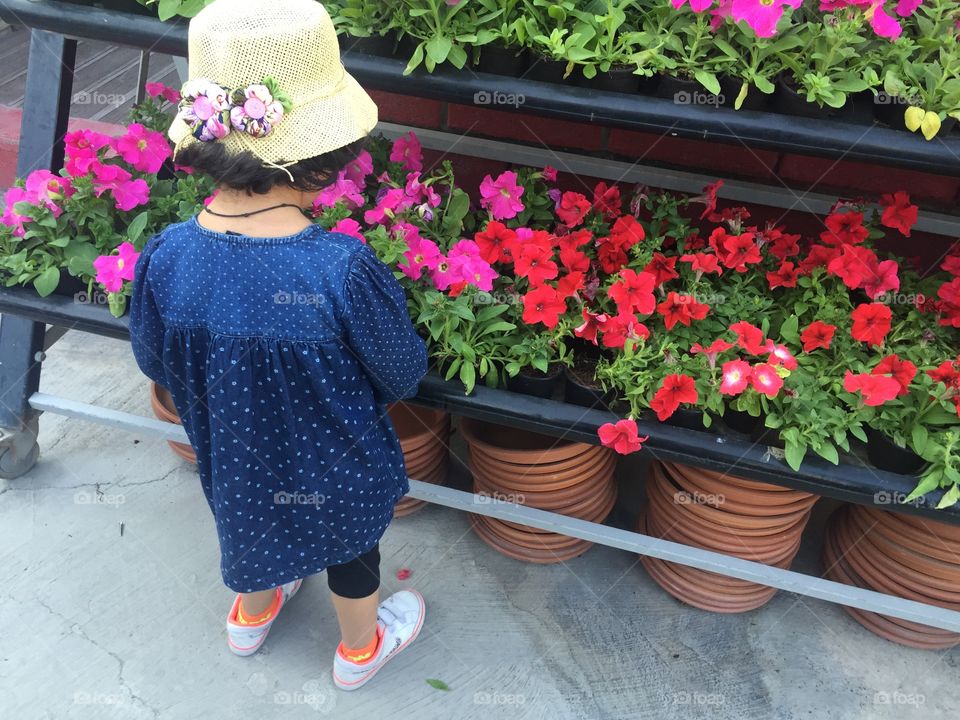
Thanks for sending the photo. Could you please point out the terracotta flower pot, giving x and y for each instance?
(861, 548)
(751, 520)
(165, 410)
(573, 479)
(424, 435)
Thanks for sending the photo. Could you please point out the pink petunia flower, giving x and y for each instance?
(127, 193)
(112, 270)
(407, 150)
(421, 254)
(156, 89)
(465, 260)
(45, 188)
(145, 149)
(883, 24)
(761, 15)
(343, 189)
(10, 218)
(502, 196)
(358, 170)
(82, 148)
(696, 5)
(349, 226)
(388, 205)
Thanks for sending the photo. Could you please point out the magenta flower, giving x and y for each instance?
(213, 196)
(388, 205)
(359, 169)
(906, 8)
(419, 193)
(342, 189)
(160, 90)
(127, 193)
(10, 218)
(407, 150)
(465, 261)
(696, 5)
(112, 270)
(883, 24)
(502, 196)
(550, 174)
(761, 15)
(45, 188)
(146, 150)
(421, 254)
(349, 226)
(82, 150)
(444, 273)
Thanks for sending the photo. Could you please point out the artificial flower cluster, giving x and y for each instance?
(212, 112)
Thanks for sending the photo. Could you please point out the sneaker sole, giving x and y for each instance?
(356, 685)
(248, 651)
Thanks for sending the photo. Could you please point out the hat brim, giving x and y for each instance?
(308, 130)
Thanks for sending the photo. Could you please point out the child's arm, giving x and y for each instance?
(379, 331)
(146, 325)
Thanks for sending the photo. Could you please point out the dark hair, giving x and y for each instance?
(246, 172)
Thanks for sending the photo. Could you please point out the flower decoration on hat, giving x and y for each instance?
(212, 111)
(258, 108)
(205, 108)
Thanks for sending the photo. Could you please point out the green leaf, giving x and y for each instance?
(415, 60)
(708, 80)
(468, 376)
(789, 329)
(438, 48)
(47, 281)
(794, 454)
(438, 684)
(137, 226)
(828, 452)
(741, 96)
(931, 481)
(920, 437)
(950, 497)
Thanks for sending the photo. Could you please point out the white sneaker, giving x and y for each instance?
(399, 619)
(245, 640)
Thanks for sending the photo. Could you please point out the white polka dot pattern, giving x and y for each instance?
(280, 355)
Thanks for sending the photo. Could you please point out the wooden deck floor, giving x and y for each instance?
(105, 81)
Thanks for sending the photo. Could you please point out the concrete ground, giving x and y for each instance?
(99, 625)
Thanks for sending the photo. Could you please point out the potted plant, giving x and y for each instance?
(700, 65)
(501, 43)
(441, 31)
(364, 26)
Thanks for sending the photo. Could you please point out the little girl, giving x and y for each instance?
(281, 343)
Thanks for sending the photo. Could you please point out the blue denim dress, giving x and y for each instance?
(281, 355)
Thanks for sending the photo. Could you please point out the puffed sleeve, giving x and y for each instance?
(146, 325)
(379, 331)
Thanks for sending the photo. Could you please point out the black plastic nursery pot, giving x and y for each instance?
(884, 454)
(544, 69)
(70, 286)
(616, 79)
(500, 59)
(790, 101)
(583, 390)
(533, 382)
(730, 89)
(689, 419)
(740, 422)
(382, 45)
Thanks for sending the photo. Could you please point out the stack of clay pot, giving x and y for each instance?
(164, 409)
(897, 554)
(713, 511)
(424, 436)
(573, 479)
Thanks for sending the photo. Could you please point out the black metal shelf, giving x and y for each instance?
(850, 482)
(830, 138)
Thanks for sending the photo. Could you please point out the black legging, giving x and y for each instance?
(358, 578)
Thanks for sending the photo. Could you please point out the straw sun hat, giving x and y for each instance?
(267, 77)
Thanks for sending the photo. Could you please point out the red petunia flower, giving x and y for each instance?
(703, 263)
(591, 326)
(903, 371)
(620, 328)
(543, 304)
(681, 309)
(570, 284)
(495, 242)
(948, 373)
(622, 436)
(871, 323)
(534, 262)
(575, 240)
(627, 232)
(574, 260)
(736, 377)
(573, 208)
(781, 355)
(740, 251)
(785, 276)
(606, 200)
(675, 390)
(633, 292)
(766, 380)
(662, 268)
(881, 278)
(844, 228)
(819, 256)
(898, 213)
(782, 245)
(852, 265)
(949, 306)
(875, 389)
(708, 198)
(952, 265)
(817, 335)
(716, 347)
(749, 337)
